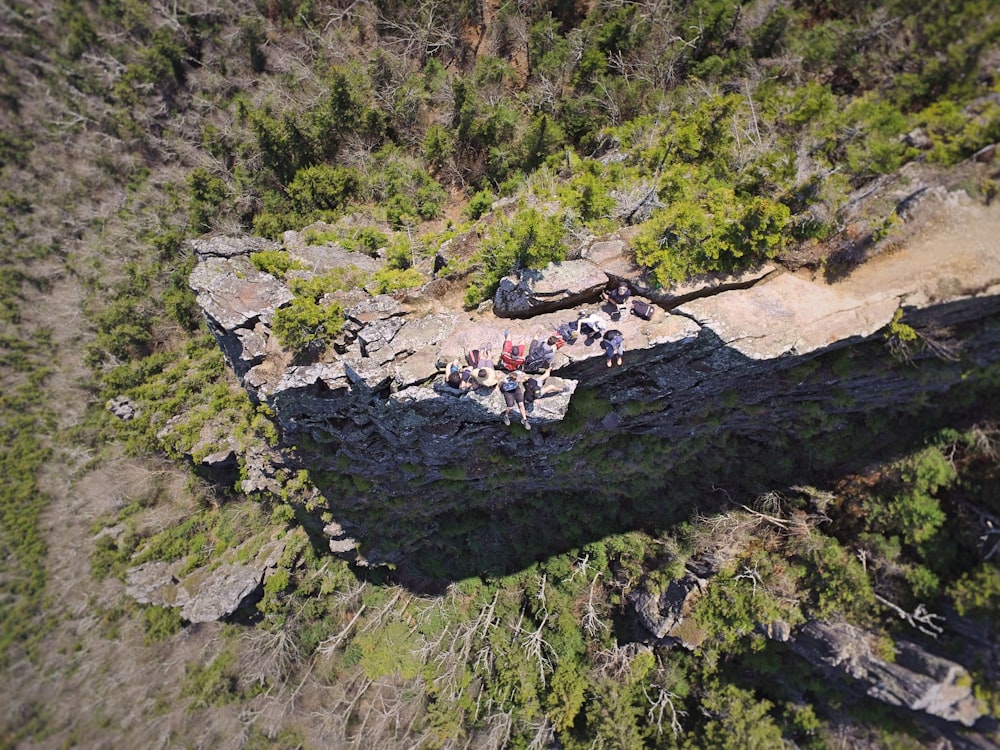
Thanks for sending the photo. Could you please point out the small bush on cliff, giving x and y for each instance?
(311, 321)
(910, 507)
(275, 262)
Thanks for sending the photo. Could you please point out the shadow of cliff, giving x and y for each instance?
(689, 427)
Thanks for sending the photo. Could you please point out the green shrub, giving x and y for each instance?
(388, 651)
(161, 623)
(977, 594)
(912, 510)
(480, 203)
(388, 280)
(213, 684)
(737, 720)
(207, 192)
(306, 324)
(309, 323)
(717, 230)
(366, 240)
(528, 239)
(323, 188)
(275, 262)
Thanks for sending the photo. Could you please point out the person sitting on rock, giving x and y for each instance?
(535, 387)
(484, 377)
(618, 296)
(541, 354)
(513, 355)
(613, 342)
(592, 325)
(513, 394)
(479, 358)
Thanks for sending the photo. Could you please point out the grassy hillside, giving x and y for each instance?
(723, 134)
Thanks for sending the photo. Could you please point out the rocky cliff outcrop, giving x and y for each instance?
(911, 676)
(914, 678)
(406, 466)
(205, 594)
(739, 359)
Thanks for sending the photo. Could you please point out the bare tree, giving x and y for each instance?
(660, 702)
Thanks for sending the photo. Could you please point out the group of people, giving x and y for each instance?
(521, 383)
(528, 367)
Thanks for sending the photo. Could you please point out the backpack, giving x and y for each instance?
(567, 332)
(535, 363)
(532, 390)
(642, 309)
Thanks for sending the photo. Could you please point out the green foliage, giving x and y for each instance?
(23, 453)
(738, 720)
(215, 683)
(310, 322)
(389, 651)
(910, 508)
(567, 695)
(275, 262)
(526, 240)
(161, 623)
(977, 594)
(366, 240)
(954, 135)
(388, 280)
(320, 190)
(587, 193)
(407, 190)
(480, 203)
(717, 230)
(736, 604)
(207, 192)
(836, 582)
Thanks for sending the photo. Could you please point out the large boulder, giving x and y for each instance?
(556, 287)
(915, 679)
(665, 613)
(206, 594)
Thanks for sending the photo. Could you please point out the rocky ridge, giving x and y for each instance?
(375, 413)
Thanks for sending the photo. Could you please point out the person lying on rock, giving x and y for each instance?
(513, 355)
(484, 377)
(479, 358)
(541, 354)
(513, 394)
(618, 296)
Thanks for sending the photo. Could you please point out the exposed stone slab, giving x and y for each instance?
(704, 285)
(790, 315)
(614, 258)
(917, 680)
(555, 287)
(323, 258)
(234, 294)
(207, 594)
